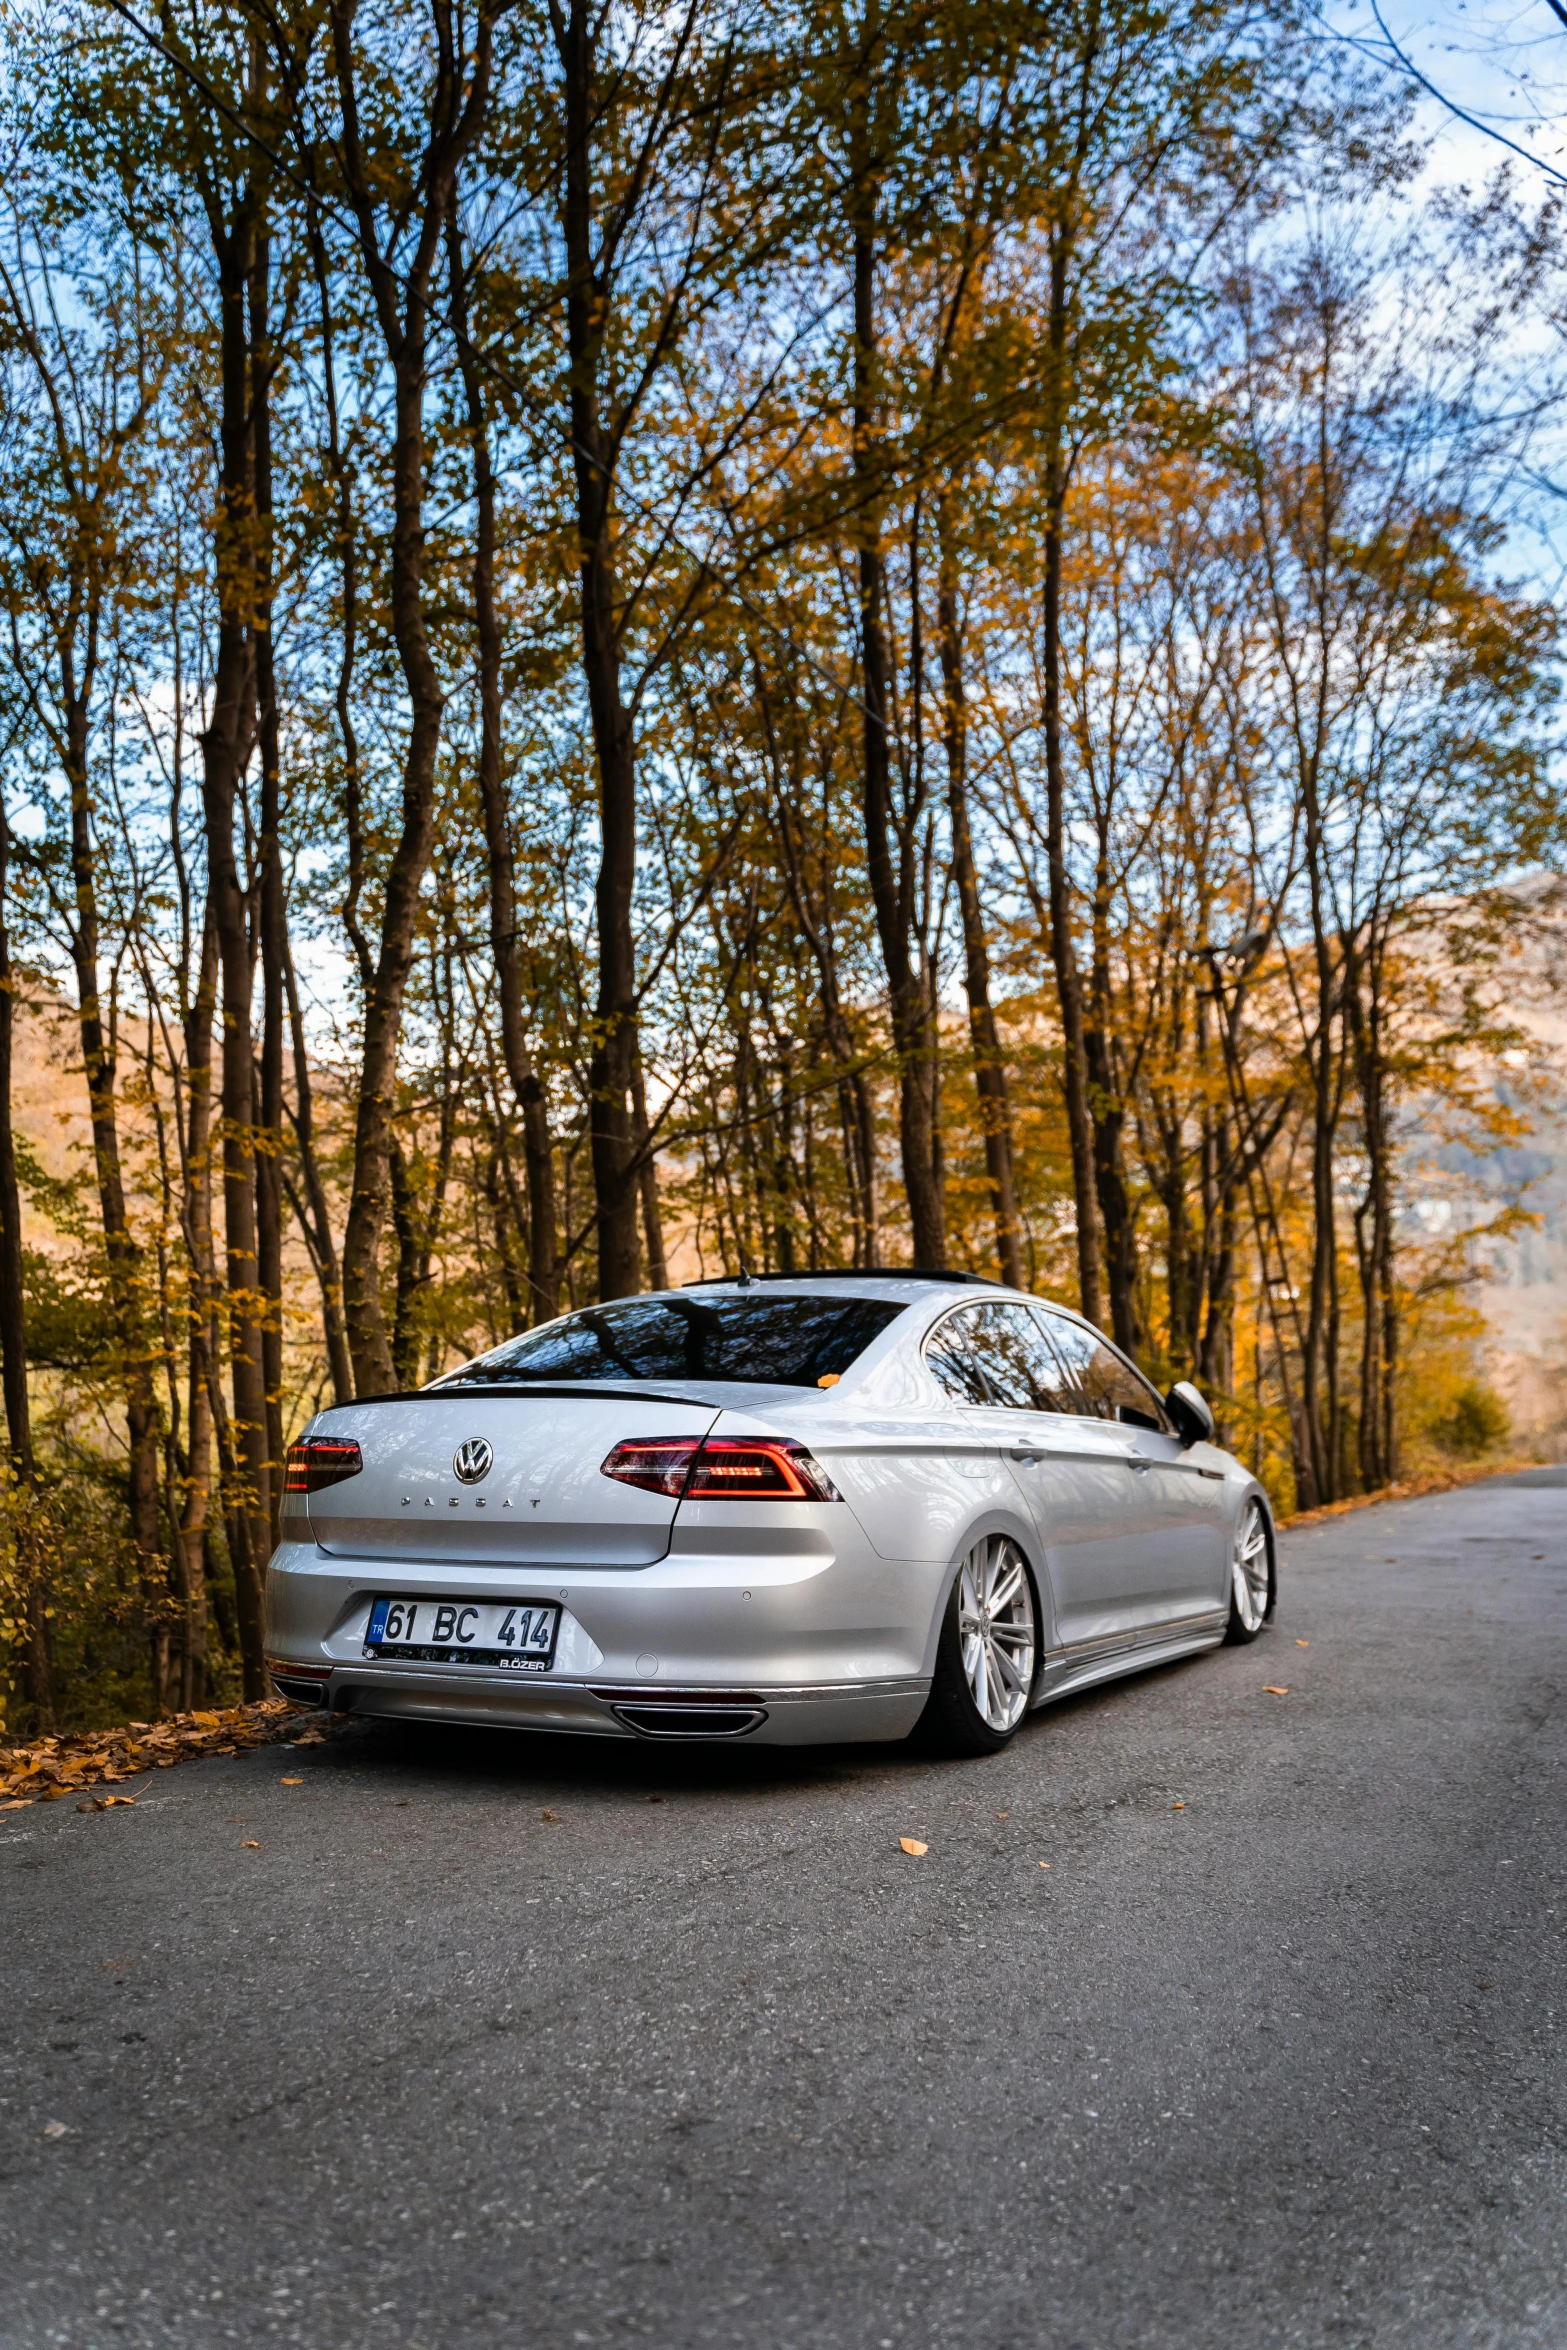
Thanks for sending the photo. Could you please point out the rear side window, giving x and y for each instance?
(758, 1341)
(997, 1353)
(1099, 1384)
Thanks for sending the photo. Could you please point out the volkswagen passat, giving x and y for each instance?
(784, 1509)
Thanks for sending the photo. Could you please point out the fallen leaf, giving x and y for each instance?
(291, 1782)
(56, 2130)
(913, 1847)
(250, 1844)
(1303, 1644)
(1177, 1807)
(546, 1815)
(1271, 1689)
(1003, 1815)
(1044, 1864)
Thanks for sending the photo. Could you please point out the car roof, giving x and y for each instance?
(900, 1287)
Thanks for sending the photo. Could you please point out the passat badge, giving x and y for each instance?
(472, 1460)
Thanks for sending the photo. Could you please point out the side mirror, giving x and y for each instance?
(1194, 1422)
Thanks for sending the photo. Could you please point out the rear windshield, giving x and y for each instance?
(764, 1341)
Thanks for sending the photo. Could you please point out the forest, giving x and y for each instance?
(649, 639)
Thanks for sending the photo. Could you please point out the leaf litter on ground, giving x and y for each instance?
(48, 1768)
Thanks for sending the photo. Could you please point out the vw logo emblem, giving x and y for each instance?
(472, 1460)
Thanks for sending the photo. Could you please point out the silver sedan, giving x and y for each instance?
(788, 1509)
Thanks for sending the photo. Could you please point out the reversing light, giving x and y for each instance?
(721, 1468)
(318, 1461)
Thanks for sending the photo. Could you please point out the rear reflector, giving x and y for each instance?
(721, 1468)
(319, 1461)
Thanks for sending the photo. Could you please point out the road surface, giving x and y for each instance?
(468, 2040)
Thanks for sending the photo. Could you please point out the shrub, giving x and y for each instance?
(1474, 1424)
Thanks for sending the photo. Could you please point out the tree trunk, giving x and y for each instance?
(611, 1147)
(272, 914)
(526, 1084)
(1373, 1217)
(1069, 986)
(401, 299)
(1107, 1110)
(1319, 1355)
(37, 1656)
(889, 845)
(647, 1181)
(990, 1074)
(226, 747)
(315, 1217)
(124, 1256)
(196, 1513)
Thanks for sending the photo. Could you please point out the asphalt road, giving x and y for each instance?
(473, 2040)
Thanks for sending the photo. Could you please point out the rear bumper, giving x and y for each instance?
(760, 1716)
(820, 1643)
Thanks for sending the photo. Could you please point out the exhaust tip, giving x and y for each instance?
(691, 1721)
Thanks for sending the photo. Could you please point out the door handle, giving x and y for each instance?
(1029, 1459)
(1142, 1467)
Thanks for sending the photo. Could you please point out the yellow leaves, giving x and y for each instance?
(51, 1767)
(56, 2130)
(913, 1847)
(1303, 1644)
(1273, 1689)
(548, 1815)
(1177, 1807)
(107, 1803)
(250, 1844)
(1044, 1864)
(291, 1782)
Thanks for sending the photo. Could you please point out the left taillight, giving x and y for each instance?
(319, 1461)
(721, 1468)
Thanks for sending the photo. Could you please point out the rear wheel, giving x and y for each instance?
(1251, 1577)
(987, 1655)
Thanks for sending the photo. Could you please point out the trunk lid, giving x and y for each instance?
(541, 1498)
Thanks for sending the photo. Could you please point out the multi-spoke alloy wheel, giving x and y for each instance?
(989, 1648)
(996, 1629)
(1249, 1575)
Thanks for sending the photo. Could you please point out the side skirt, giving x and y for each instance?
(1091, 1661)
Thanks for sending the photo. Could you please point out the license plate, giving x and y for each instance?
(511, 1636)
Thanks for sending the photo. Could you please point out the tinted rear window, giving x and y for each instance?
(764, 1341)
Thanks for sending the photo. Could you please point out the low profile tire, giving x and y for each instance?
(1251, 1575)
(987, 1657)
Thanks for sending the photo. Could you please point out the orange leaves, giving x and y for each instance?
(913, 1847)
(52, 1767)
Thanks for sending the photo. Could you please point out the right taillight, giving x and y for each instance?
(319, 1461)
(723, 1468)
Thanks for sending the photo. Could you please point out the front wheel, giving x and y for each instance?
(987, 1654)
(1251, 1580)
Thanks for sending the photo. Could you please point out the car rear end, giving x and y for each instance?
(614, 1559)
